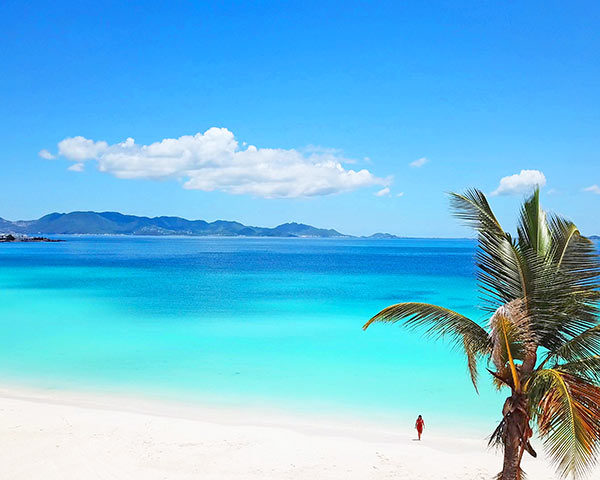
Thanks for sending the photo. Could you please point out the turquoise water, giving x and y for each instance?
(266, 322)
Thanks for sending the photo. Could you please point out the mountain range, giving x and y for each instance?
(114, 223)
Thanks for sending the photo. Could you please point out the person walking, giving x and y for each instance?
(419, 425)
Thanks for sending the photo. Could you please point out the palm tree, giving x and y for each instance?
(540, 292)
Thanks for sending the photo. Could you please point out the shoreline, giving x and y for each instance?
(343, 422)
(54, 434)
(263, 410)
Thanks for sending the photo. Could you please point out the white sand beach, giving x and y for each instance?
(54, 435)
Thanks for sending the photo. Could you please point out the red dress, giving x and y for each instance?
(419, 425)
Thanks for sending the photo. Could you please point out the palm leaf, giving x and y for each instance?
(473, 208)
(571, 289)
(533, 229)
(502, 271)
(567, 410)
(586, 344)
(587, 368)
(562, 232)
(440, 322)
(573, 254)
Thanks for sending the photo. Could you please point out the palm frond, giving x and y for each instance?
(573, 254)
(586, 344)
(568, 294)
(567, 410)
(440, 322)
(586, 368)
(502, 270)
(562, 232)
(473, 208)
(533, 228)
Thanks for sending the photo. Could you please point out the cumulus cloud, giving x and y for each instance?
(76, 167)
(419, 163)
(593, 189)
(80, 148)
(46, 154)
(520, 183)
(213, 160)
(384, 192)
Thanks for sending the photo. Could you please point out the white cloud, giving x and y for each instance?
(384, 192)
(593, 189)
(80, 148)
(400, 194)
(520, 183)
(46, 154)
(419, 163)
(76, 167)
(213, 160)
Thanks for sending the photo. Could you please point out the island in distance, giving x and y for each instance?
(114, 223)
(9, 237)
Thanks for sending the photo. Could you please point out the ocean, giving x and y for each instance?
(266, 322)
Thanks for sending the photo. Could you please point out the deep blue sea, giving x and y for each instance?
(240, 321)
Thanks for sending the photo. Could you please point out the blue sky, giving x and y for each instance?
(329, 103)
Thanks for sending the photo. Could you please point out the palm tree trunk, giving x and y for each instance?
(511, 467)
(516, 424)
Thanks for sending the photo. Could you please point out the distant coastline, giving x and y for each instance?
(9, 238)
(114, 223)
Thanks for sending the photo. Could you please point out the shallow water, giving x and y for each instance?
(240, 321)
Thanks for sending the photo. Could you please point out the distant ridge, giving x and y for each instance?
(114, 223)
(382, 236)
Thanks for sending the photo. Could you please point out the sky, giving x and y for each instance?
(358, 116)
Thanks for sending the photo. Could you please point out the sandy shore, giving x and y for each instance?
(58, 435)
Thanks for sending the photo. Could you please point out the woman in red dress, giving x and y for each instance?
(419, 425)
